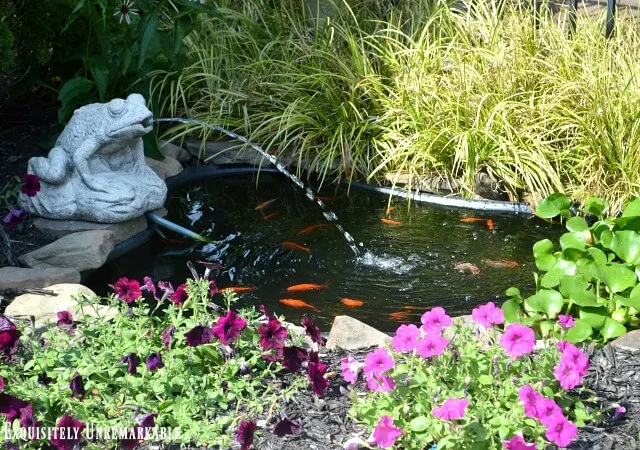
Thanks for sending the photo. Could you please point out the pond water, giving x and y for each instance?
(425, 257)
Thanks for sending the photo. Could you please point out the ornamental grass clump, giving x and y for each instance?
(186, 361)
(448, 385)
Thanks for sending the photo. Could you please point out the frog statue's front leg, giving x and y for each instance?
(53, 169)
(81, 163)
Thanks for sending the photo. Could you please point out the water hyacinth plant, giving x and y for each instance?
(445, 385)
(205, 368)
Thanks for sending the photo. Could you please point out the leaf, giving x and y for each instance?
(577, 224)
(485, 380)
(149, 24)
(512, 311)
(595, 206)
(513, 292)
(577, 290)
(70, 94)
(574, 240)
(581, 331)
(200, 8)
(612, 329)
(542, 252)
(178, 37)
(73, 16)
(419, 424)
(598, 255)
(560, 269)
(554, 205)
(626, 244)
(545, 327)
(633, 301)
(101, 79)
(615, 276)
(632, 209)
(151, 148)
(547, 301)
(595, 317)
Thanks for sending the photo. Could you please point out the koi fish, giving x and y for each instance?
(264, 205)
(351, 302)
(462, 267)
(238, 289)
(490, 225)
(295, 303)
(313, 228)
(472, 219)
(500, 263)
(400, 316)
(294, 246)
(271, 216)
(324, 199)
(390, 222)
(307, 287)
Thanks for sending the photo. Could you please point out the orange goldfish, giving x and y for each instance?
(307, 287)
(295, 303)
(501, 263)
(294, 246)
(472, 219)
(324, 199)
(238, 289)
(351, 302)
(264, 205)
(313, 228)
(490, 225)
(390, 222)
(400, 316)
(464, 266)
(271, 216)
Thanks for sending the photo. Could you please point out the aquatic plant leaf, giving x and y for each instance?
(543, 254)
(554, 205)
(547, 301)
(513, 292)
(612, 329)
(560, 269)
(615, 276)
(626, 244)
(633, 300)
(595, 206)
(577, 290)
(574, 240)
(512, 311)
(632, 209)
(545, 327)
(595, 317)
(577, 224)
(598, 255)
(581, 331)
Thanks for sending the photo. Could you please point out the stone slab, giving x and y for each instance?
(629, 341)
(168, 167)
(16, 278)
(171, 150)
(350, 334)
(121, 230)
(225, 153)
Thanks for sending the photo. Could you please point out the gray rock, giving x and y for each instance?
(168, 167)
(629, 341)
(14, 279)
(225, 153)
(97, 171)
(45, 308)
(171, 150)
(350, 334)
(121, 230)
(79, 251)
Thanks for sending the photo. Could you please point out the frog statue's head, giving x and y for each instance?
(127, 119)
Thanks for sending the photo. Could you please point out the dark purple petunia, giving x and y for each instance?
(67, 434)
(167, 334)
(11, 406)
(132, 439)
(154, 361)
(286, 427)
(229, 327)
(14, 218)
(269, 315)
(213, 288)
(312, 330)
(9, 337)
(180, 295)
(64, 318)
(127, 290)
(132, 362)
(272, 334)
(293, 357)
(150, 287)
(274, 356)
(147, 420)
(1, 384)
(10, 446)
(198, 335)
(43, 379)
(208, 267)
(30, 185)
(27, 420)
(315, 372)
(313, 357)
(246, 430)
(77, 386)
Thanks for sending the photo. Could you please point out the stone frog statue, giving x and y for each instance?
(97, 171)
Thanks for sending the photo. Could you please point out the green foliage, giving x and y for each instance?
(200, 389)
(593, 276)
(7, 52)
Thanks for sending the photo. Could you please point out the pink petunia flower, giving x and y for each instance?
(547, 410)
(272, 335)
(350, 369)
(517, 442)
(517, 340)
(529, 398)
(64, 318)
(180, 295)
(435, 320)
(451, 409)
(127, 290)
(406, 338)
(380, 383)
(431, 345)
(488, 315)
(561, 432)
(378, 362)
(566, 322)
(228, 327)
(572, 355)
(385, 433)
(567, 374)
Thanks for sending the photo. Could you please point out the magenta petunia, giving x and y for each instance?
(67, 434)
(517, 442)
(406, 338)
(350, 368)
(77, 386)
(10, 406)
(312, 330)
(150, 287)
(566, 322)
(529, 398)
(574, 356)
(64, 318)
(378, 361)
(267, 314)
(167, 289)
(154, 361)
(167, 334)
(451, 409)
(561, 432)
(567, 374)
(228, 327)
(380, 383)
(132, 362)
(517, 340)
(127, 290)
(316, 372)
(436, 319)
(14, 218)
(147, 420)
(180, 295)
(9, 338)
(293, 357)
(431, 345)
(547, 410)
(199, 335)
(385, 433)
(272, 335)
(246, 430)
(488, 315)
(30, 185)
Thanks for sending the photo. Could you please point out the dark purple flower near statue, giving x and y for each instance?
(286, 427)
(199, 335)
(246, 430)
(127, 290)
(228, 327)
(10, 406)
(154, 361)
(272, 334)
(9, 338)
(64, 318)
(167, 334)
(30, 185)
(180, 295)
(293, 357)
(67, 434)
(269, 315)
(14, 218)
(315, 372)
(312, 330)
(132, 362)
(27, 420)
(313, 357)
(77, 386)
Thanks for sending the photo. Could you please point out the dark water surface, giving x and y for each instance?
(406, 265)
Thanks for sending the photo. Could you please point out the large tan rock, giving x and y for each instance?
(350, 334)
(17, 278)
(46, 307)
(629, 341)
(79, 251)
(121, 230)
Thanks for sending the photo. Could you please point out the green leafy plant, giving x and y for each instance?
(593, 275)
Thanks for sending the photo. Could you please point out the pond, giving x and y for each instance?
(423, 256)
